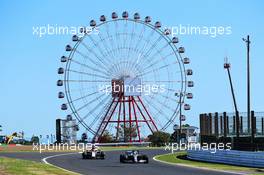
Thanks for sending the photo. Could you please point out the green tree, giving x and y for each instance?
(127, 132)
(106, 137)
(84, 137)
(159, 138)
(186, 125)
(34, 139)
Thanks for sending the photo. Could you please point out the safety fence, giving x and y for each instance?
(233, 157)
(244, 132)
(227, 124)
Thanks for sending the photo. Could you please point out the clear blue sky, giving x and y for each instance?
(28, 71)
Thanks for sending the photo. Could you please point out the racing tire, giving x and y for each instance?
(147, 160)
(122, 159)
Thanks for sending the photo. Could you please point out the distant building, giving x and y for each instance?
(188, 133)
(66, 130)
(2, 138)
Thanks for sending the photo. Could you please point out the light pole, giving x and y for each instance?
(227, 67)
(248, 83)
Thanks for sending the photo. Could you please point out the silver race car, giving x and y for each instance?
(134, 157)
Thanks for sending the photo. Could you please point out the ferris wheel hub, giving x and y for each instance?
(126, 86)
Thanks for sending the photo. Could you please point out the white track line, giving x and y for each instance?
(57, 155)
(191, 166)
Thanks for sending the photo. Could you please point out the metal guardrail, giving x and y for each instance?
(233, 157)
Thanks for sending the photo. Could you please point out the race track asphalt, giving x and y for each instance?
(111, 165)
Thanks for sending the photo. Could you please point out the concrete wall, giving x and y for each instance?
(244, 158)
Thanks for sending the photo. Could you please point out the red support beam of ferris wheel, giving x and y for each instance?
(152, 121)
(132, 104)
(130, 118)
(98, 130)
(143, 115)
(124, 112)
(118, 120)
(104, 127)
(135, 115)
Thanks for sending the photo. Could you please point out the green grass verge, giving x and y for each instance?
(177, 158)
(9, 166)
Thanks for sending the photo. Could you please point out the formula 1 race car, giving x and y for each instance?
(134, 157)
(93, 153)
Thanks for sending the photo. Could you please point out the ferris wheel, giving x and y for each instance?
(123, 73)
